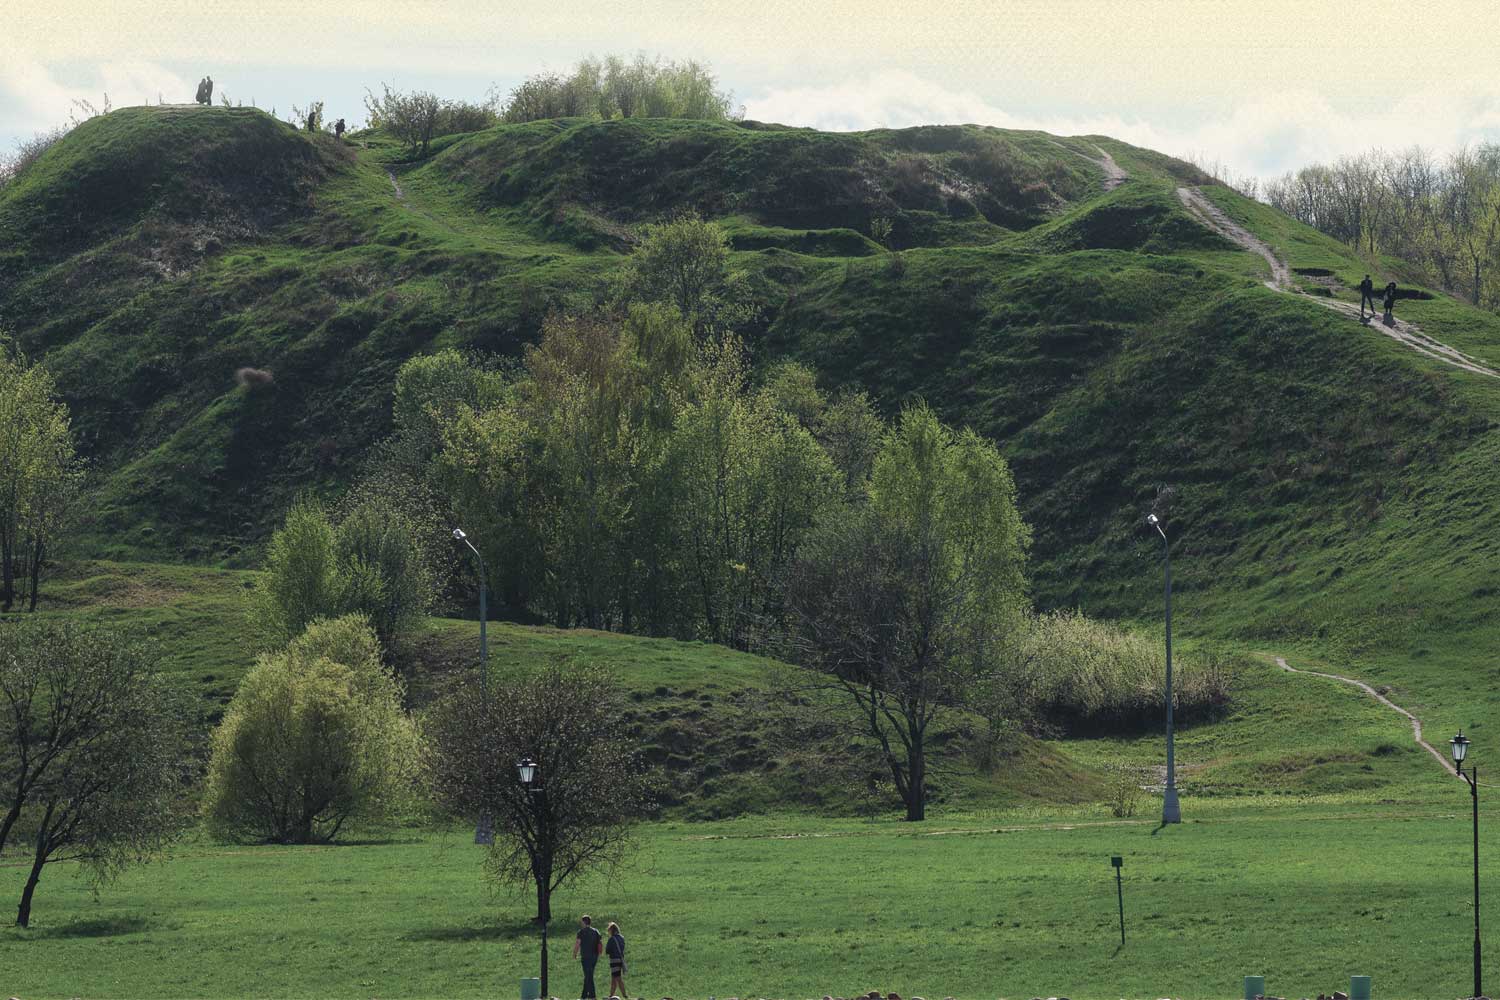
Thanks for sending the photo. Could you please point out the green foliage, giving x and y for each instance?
(685, 263)
(629, 480)
(566, 721)
(40, 476)
(372, 564)
(417, 117)
(646, 88)
(908, 601)
(1078, 673)
(314, 737)
(94, 750)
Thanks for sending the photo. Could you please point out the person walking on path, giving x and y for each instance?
(587, 947)
(1390, 303)
(615, 949)
(1366, 294)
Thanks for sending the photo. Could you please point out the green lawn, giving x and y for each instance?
(999, 905)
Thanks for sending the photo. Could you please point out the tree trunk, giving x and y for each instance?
(23, 912)
(543, 901)
(7, 575)
(36, 570)
(916, 783)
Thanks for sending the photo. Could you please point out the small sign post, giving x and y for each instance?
(1118, 862)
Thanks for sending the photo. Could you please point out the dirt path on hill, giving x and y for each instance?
(1114, 174)
(392, 175)
(1416, 723)
(1407, 334)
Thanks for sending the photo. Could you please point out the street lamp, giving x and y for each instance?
(1171, 812)
(1460, 747)
(528, 772)
(484, 831)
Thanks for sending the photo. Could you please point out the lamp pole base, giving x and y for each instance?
(1171, 812)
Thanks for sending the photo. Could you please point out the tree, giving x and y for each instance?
(685, 263)
(566, 720)
(372, 563)
(39, 476)
(314, 737)
(412, 117)
(907, 602)
(94, 750)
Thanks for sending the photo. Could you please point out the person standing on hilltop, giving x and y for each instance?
(1366, 294)
(208, 90)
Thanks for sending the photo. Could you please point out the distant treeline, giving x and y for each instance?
(1443, 215)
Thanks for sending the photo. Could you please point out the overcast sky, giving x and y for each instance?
(1261, 86)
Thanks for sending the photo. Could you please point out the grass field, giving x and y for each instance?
(997, 905)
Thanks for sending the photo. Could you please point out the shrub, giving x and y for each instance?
(643, 88)
(314, 737)
(1075, 672)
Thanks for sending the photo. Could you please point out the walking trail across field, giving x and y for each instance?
(1407, 334)
(1416, 723)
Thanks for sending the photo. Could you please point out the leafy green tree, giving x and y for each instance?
(566, 720)
(908, 602)
(40, 476)
(314, 737)
(302, 580)
(685, 263)
(372, 563)
(94, 751)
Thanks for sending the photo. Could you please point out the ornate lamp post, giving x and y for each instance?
(1171, 811)
(1460, 747)
(529, 774)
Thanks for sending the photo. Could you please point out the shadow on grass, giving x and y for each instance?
(484, 932)
(100, 928)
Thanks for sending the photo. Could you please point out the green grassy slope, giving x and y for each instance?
(1332, 483)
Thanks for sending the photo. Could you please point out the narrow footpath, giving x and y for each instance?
(1407, 334)
(1416, 723)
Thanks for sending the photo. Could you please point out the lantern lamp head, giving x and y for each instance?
(1460, 747)
(527, 770)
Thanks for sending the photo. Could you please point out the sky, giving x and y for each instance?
(1260, 88)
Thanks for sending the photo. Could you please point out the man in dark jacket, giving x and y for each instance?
(1366, 294)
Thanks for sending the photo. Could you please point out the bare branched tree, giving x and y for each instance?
(592, 783)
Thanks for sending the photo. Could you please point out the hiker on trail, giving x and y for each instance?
(338, 132)
(1390, 303)
(1366, 294)
(615, 949)
(208, 90)
(587, 947)
(201, 85)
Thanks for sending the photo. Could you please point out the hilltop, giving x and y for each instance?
(1331, 481)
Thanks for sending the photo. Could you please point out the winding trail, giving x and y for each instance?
(1416, 723)
(1407, 334)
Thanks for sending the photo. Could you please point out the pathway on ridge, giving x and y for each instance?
(1407, 334)
(1416, 724)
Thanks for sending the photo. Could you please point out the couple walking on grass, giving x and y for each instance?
(1367, 294)
(589, 945)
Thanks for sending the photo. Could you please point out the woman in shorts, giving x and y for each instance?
(615, 949)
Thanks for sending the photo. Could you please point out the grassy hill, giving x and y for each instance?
(1333, 486)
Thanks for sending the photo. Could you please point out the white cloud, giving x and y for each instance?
(1265, 134)
(34, 98)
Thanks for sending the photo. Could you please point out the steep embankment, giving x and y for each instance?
(1054, 293)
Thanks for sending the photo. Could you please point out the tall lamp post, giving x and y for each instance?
(529, 773)
(484, 832)
(1460, 747)
(1171, 811)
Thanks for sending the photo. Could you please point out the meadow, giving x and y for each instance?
(1005, 904)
